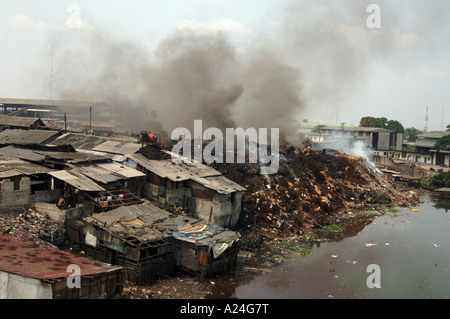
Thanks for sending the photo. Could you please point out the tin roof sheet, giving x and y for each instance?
(108, 172)
(220, 184)
(40, 261)
(134, 221)
(78, 180)
(17, 165)
(19, 121)
(27, 137)
(21, 153)
(172, 171)
(114, 145)
(44, 102)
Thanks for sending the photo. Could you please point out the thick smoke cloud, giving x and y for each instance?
(310, 56)
(188, 76)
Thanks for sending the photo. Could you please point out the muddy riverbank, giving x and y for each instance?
(272, 253)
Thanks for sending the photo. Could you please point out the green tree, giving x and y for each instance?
(380, 122)
(318, 128)
(440, 180)
(443, 143)
(411, 133)
(395, 126)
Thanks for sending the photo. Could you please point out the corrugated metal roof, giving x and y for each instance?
(21, 121)
(98, 174)
(36, 260)
(118, 147)
(77, 180)
(18, 165)
(147, 222)
(220, 184)
(7, 173)
(72, 157)
(22, 153)
(122, 170)
(43, 102)
(115, 157)
(27, 137)
(113, 145)
(356, 128)
(172, 171)
(131, 222)
(108, 172)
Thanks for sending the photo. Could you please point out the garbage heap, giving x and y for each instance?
(308, 189)
(31, 224)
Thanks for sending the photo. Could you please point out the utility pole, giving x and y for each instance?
(425, 128)
(90, 120)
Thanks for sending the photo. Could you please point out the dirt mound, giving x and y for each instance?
(309, 189)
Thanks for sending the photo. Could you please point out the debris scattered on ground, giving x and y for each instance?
(32, 224)
(313, 198)
(311, 190)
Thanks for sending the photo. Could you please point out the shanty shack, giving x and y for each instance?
(116, 148)
(201, 248)
(202, 190)
(33, 270)
(20, 182)
(102, 185)
(150, 243)
(27, 137)
(125, 236)
(21, 123)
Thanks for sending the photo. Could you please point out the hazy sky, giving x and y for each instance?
(347, 70)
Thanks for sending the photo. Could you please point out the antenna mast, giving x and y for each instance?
(51, 73)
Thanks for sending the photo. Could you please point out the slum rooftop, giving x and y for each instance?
(145, 223)
(11, 166)
(45, 102)
(36, 260)
(183, 171)
(113, 145)
(27, 137)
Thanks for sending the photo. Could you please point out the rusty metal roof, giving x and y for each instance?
(172, 171)
(22, 153)
(113, 145)
(27, 137)
(43, 102)
(21, 121)
(72, 157)
(37, 260)
(15, 166)
(133, 224)
(77, 180)
(108, 172)
(220, 184)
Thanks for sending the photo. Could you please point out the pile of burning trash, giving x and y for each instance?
(310, 189)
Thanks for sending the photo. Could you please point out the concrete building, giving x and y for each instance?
(423, 150)
(336, 137)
